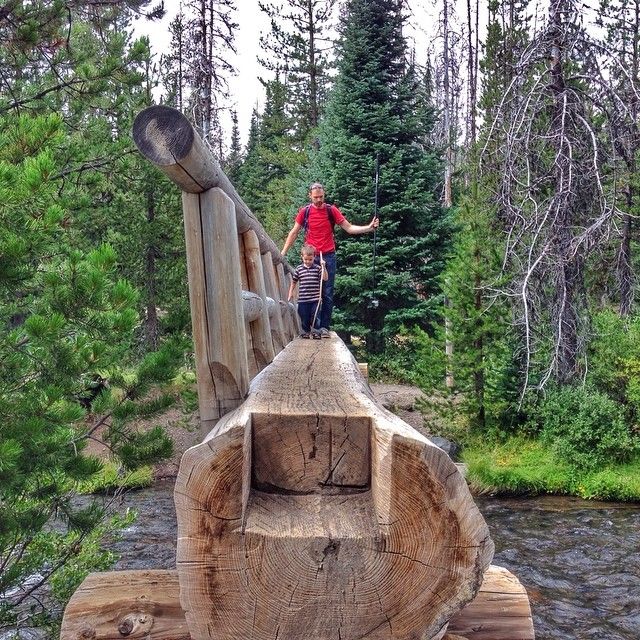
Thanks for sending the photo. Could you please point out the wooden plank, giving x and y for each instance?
(147, 603)
(500, 611)
(260, 328)
(126, 604)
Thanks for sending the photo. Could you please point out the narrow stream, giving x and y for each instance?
(580, 561)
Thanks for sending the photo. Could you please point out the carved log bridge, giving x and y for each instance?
(308, 511)
(311, 512)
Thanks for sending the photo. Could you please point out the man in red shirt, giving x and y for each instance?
(319, 233)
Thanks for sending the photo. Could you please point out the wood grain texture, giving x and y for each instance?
(215, 293)
(312, 512)
(108, 602)
(260, 328)
(289, 313)
(278, 334)
(126, 604)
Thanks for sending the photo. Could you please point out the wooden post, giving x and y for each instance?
(288, 310)
(260, 328)
(215, 294)
(278, 335)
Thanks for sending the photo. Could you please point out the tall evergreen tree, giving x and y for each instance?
(483, 341)
(173, 64)
(375, 109)
(234, 159)
(67, 317)
(211, 35)
(301, 53)
(250, 174)
(66, 327)
(268, 173)
(620, 94)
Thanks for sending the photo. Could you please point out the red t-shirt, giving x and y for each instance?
(320, 231)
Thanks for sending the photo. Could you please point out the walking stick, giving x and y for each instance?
(315, 315)
(374, 300)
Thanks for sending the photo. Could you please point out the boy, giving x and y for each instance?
(308, 275)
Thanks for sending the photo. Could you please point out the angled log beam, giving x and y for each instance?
(167, 139)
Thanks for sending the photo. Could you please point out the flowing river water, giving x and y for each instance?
(579, 561)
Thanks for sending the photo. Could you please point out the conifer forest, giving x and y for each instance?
(505, 277)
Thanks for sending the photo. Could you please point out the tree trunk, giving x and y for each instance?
(311, 512)
(151, 316)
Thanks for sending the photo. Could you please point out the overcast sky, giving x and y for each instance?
(246, 90)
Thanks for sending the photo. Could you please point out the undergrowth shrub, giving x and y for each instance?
(584, 427)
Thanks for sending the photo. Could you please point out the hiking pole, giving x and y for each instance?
(374, 300)
(315, 315)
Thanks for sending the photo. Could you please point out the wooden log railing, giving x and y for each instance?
(308, 512)
(238, 283)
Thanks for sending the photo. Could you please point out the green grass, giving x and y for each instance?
(108, 479)
(525, 467)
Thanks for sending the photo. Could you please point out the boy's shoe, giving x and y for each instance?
(305, 335)
(324, 333)
(316, 335)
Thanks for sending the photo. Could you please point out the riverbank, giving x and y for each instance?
(522, 466)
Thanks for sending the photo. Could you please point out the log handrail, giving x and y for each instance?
(167, 139)
(238, 280)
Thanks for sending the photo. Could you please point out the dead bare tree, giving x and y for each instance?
(554, 207)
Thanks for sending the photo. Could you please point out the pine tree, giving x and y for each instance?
(478, 319)
(69, 320)
(67, 329)
(211, 35)
(234, 159)
(270, 168)
(251, 178)
(173, 64)
(622, 23)
(301, 53)
(375, 108)
(551, 201)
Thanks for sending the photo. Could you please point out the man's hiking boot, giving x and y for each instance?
(305, 335)
(324, 333)
(316, 335)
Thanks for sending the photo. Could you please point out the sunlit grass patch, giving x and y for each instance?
(524, 466)
(111, 477)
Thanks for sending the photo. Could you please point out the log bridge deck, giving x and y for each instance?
(312, 512)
